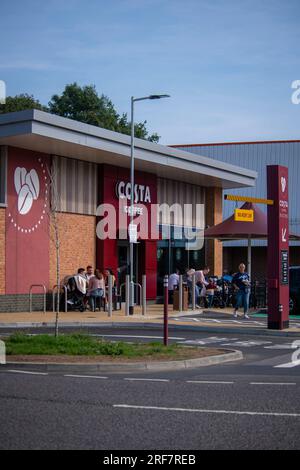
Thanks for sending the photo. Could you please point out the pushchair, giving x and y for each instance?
(75, 298)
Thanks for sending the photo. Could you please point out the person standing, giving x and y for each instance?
(202, 283)
(173, 284)
(96, 289)
(190, 274)
(241, 284)
(210, 291)
(89, 272)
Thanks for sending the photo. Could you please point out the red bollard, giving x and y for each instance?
(166, 305)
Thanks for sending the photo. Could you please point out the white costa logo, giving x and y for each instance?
(141, 192)
(283, 183)
(27, 185)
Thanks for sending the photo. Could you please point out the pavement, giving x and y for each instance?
(250, 404)
(212, 320)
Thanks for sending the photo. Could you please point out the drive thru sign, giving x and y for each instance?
(244, 215)
(278, 247)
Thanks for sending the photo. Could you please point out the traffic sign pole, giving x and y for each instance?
(166, 305)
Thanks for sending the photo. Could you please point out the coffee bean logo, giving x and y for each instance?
(27, 186)
(25, 200)
(20, 176)
(32, 181)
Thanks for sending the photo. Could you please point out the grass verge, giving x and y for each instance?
(84, 345)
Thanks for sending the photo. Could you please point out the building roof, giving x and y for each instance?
(51, 134)
(253, 142)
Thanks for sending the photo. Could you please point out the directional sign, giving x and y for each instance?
(283, 234)
(278, 247)
(244, 215)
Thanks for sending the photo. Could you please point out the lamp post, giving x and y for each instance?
(131, 228)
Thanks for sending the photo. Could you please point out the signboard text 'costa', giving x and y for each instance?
(141, 192)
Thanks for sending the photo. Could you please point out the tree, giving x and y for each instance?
(85, 105)
(20, 103)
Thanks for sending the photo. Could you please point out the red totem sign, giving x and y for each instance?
(278, 247)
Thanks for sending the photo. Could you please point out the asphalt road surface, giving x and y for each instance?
(251, 404)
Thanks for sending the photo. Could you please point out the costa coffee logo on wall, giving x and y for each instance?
(27, 185)
(28, 213)
(141, 192)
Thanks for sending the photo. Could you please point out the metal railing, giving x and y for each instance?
(142, 293)
(30, 295)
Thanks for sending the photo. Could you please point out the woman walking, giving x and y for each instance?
(241, 283)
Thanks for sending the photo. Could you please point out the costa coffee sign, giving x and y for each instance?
(141, 192)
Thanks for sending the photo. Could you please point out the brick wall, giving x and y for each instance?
(20, 303)
(213, 216)
(2, 251)
(77, 244)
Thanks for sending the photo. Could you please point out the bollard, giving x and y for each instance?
(180, 293)
(144, 296)
(193, 292)
(166, 305)
(127, 295)
(110, 287)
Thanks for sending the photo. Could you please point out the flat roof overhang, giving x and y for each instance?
(44, 132)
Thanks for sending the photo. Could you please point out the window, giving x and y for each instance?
(3, 163)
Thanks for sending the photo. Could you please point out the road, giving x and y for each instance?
(252, 404)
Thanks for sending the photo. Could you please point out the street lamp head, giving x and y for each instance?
(158, 97)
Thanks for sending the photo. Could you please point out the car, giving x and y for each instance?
(295, 290)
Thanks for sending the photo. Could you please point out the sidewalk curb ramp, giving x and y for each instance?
(230, 356)
(157, 326)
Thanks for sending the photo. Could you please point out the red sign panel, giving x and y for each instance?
(27, 222)
(278, 247)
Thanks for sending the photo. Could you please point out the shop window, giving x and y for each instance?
(3, 163)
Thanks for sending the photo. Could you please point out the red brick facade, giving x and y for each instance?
(77, 244)
(214, 216)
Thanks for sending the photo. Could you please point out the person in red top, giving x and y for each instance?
(210, 291)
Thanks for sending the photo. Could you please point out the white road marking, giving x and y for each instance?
(288, 365)
(136, 336)
(86, 376)
(247, 343)
(280, 346)
(146, 380)
(207, 382)
(273, 383)
(195, 410)
(27, 372)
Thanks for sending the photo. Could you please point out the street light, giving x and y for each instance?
(131, 241)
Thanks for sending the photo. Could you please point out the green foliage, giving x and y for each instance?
(85, 105)
(82, 345)
(82, 104)
(20, 103)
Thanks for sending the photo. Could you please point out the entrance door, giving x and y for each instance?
(124, 265)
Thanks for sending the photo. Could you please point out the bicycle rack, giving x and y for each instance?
(59, 287)
(30, 296)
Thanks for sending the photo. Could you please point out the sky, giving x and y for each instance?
(227, 64)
